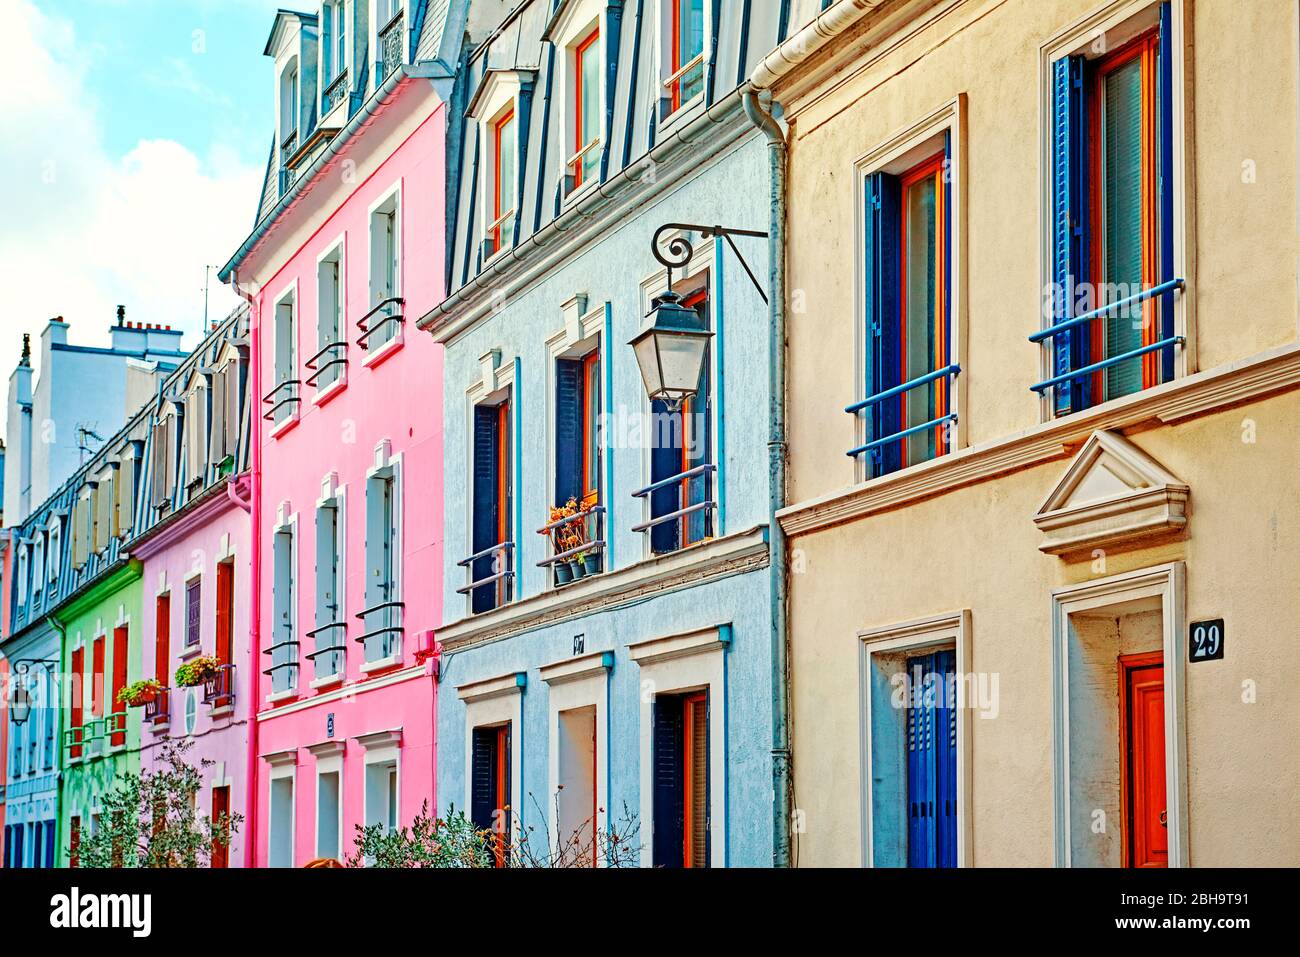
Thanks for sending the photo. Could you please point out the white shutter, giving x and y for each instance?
(217, 431)
(124, 490)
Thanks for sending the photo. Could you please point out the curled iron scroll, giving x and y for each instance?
(679, 250)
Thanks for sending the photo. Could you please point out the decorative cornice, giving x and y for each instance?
(575, 669)
(719, 558)
(1202, 393)
(492, 687)
(678, 646)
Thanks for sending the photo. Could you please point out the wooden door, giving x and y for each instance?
(1142, 743)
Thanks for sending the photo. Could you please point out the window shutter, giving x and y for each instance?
(568, 430)
(698, 525)
(945, 762)
(17, 835)
(49, 845)
(483, 780)
(1070, 223)
(698, 728)
(217, 432)
(79, 533)
(379, 581)
(125, 492)
(283, 598)
(328, 609)
(920, 765)
(235, 385)
(1165, 144)
(669, 784)
(486, 505)
(665, 462)
(882, 249)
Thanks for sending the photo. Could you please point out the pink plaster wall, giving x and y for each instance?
(400, 400)
(217, 531)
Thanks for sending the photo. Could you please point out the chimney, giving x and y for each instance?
(121, 315)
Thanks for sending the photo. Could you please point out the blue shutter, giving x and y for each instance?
(945, 762)
(665, 462)
(568, 430)
(1165, 145)
(699, 489)
(669, 784)
(483, 778)
(881, 252)
(920, 766)
(18, 845)
(37, 851)
(1070, 223)
(8, 828)
(49, 845)
(485, 503)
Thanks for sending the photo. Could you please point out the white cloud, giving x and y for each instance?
(82, 231)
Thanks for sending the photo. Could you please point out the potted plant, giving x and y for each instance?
(560, 539)
(140, 694)
(591, 562)
(196, 671)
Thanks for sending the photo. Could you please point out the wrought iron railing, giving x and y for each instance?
(384, 630)
(219, 687)
(282, 400)
(157, 710)
(502, 555)
(333, 654)
(288, 146)
(334, 94)
(391, 36)
(875, 446)
(278, 664)
(593, 545)
(1065, 378)
(705, 506)
(381, 323)
(327, 365)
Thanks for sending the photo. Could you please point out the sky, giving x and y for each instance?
(134, 135)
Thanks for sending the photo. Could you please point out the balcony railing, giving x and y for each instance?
(501, 556)
(331, 649)
(381, 323)
(875, 446)
(593, 543)
(706, 506)
(283, 400)
(334, 94)
(328, 365)
(219, 688)
(1065, 378)
(391, 36)
(288, 146)
(280, 663)
(580, 168)
(157, 710)
(383, 633)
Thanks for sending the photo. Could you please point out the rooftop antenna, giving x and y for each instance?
(84, 433)
(207, 276)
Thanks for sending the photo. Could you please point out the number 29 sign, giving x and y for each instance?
(1206, 640)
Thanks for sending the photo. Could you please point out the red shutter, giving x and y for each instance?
(220, 806)
(121, 640)
(225, 609)
(97, 679)
(78, 665)
(162, 639)
(74, 835)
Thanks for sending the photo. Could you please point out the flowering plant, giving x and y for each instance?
(196, 671)
(570, 535)
(139, 694)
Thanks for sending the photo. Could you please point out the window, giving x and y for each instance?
(124, 492)
(220, 809)
(16, 835)
(907, 297)
(82, 530)
(223, 432)
(330, 629)
(681, 780)
(162, 639)
(77, 717)
(490, 785)
(282, 822)
(385, 318)
(289, 106)
(381, 794)
(577, 452)
(504, 172)
(24, 552)
(493, 497)
(53, 560)
(585, 162)
(382, 619)
(284, 644)
(1112, 219)
(97, 678)
(193, 612)
(225, 623)
(577, 812)
(681, 455)
(283, 399)
(685, 26)
(104, 496)
(334, 40)
(121, 660)
(163, 453)
(329, 813)
(38, 564)
(331, 338)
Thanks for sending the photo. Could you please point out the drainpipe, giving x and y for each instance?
(254, 508)
(58, 628)
(776, 454)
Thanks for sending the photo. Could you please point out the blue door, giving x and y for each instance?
(932, 761)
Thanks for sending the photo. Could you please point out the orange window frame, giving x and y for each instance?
(497, 212)
(1147, 47)
(590, 411)
(931, 168)
(579, 100)
(502, 797)
(695, 709)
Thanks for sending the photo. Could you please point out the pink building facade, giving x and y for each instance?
(347, 450)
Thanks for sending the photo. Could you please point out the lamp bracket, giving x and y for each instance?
(680, 250)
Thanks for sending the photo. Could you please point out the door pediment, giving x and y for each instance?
(1112, 494)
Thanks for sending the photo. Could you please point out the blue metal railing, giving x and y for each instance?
(705, 506)
(875, 445)
(1173, 285)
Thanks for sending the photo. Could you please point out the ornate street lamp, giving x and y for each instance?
(670, 351)
(20, 702)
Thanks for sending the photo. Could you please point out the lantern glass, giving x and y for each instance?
(671, 352)
(20, 704)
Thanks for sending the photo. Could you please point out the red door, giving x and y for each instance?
(1142, 729)
(220, 806)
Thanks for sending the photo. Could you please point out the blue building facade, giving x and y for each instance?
(606, 656)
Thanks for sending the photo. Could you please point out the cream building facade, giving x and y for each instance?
(1106, 568)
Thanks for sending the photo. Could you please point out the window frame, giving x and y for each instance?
(388, 469)
(672, 70)
(287, 525)
(575, 684)
(389, 203)
(496, 229)
(335, 255)
(334, 497)
(287, 391)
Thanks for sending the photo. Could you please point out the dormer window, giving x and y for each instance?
(23, 560)
(505, 140)
(56, 542)
(684, 76)
(333, 54)
(389, 34)
(38, 563)
(583, 165)
(289, 111)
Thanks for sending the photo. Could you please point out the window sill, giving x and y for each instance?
(383, 664)
(160, 728)
(279, 696)
(381, 354)
(329, 681)
(330, 391)
(582, 191)
(682, 115)
(190, 651)
(280, 428)
(225, 711)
